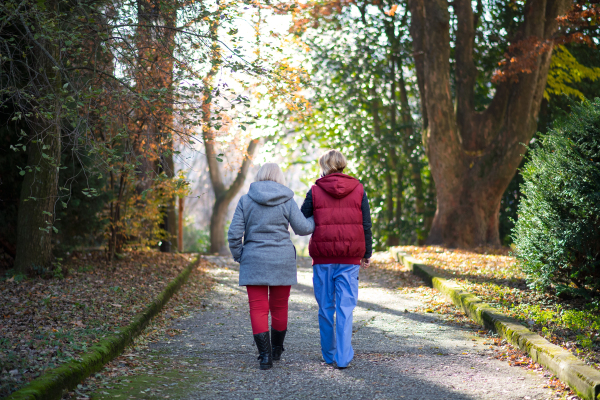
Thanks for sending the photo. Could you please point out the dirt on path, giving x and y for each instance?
(400, 354)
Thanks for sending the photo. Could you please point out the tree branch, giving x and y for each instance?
(438, 98)
(417, 28)
(241, 175)
(213, 165)
(466, 73)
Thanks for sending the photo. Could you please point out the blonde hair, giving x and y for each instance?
(332, 161)
(270, 172)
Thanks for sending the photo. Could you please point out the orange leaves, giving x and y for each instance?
(482, 262)
(580, 16)
(311, 14)
(391, 11)
(521, 58)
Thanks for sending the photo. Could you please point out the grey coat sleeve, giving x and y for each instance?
(236, 232)
(300, 224)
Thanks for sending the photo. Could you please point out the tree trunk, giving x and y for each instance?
(115, 242)
(169, 222)
(474, 155)
(217, 227)
(223, 196)
(415, 168)
(180, 226)
(156, 42)
(40, 185)
(38, 196)
(392, 239)
(429, 206)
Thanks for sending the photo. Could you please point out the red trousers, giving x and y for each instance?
(263, 299)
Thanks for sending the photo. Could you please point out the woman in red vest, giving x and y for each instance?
(340, 244)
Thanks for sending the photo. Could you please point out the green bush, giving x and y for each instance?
(195, 240)
(557, 235)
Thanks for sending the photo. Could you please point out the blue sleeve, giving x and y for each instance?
(307, 205)
(366, 213)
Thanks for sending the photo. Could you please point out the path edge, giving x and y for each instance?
(583, 379)
(50, 385)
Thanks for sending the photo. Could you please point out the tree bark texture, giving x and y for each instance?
(40, 184)
(474, 155)
(180, 225)
(38, 196)
(155, 123)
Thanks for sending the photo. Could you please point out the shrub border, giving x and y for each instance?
(51, 384)
(584, 380)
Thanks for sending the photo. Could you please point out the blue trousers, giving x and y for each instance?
(336, 291)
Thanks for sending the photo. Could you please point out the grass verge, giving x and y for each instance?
(570, 369)
(494, 276)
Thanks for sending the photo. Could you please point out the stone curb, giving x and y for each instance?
(584, 380)
(51, 384)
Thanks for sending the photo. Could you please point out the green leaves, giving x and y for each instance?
(556, 235)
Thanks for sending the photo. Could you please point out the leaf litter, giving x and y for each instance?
(48, 322)
(385, 271)
(138, 359)
(392, 274)
(494, 276)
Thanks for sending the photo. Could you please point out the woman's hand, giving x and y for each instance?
(365, 262)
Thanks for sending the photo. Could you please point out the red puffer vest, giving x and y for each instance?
(339, 237)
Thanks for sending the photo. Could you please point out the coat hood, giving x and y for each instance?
(269, 193)
(337, 185)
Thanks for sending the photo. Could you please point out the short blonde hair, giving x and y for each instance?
(270, 172)
(332, 161)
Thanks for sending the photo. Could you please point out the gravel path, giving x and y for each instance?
(400, 354)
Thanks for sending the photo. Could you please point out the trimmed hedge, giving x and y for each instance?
(557, 235)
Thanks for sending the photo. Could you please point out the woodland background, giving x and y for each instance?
(112, 111)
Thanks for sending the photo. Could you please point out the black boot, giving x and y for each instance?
(277, 341)
(265, 354)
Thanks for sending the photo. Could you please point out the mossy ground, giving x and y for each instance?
(494, 276)
(163, 381)
(49, 322)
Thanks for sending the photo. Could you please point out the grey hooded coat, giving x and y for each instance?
(259, 238)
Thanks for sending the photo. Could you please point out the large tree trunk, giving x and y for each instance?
(170, 216)
(156, 43)
(217, 227)
(38, 197)
(40, 185)
(474, 155)
(223, 195)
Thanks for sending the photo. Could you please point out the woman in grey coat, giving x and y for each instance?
(259, 240)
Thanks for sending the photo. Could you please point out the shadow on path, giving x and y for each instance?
(399, 355)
